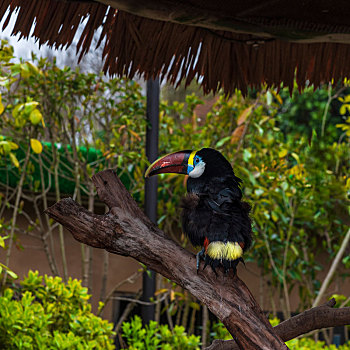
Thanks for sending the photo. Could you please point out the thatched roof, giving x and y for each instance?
(227, 44)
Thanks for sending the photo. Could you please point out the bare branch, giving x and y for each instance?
(125, 230)
(333, 268)
(131, 279)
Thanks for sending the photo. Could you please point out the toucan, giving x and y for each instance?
(214, 216)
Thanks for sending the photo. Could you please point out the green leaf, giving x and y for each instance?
(346, 259)
(282, 153)
(246, 155)
(30, 106)
(6, 147)
(222, 141)
(2, 107)
(295, 250)
(35, 116)
(14, 160)
(33, 68)
(342, 109)
(4, 81)
(10, 272)
(16, 111)
(274, 216)
(296, 157)
(269, 98)
(25, 73)
(259, 191)
(13, 145)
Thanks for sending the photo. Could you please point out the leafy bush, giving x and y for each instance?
(310, 344)
(297, 184)
(154, 336)
(51, 315)
(220, 332)
(292, 154)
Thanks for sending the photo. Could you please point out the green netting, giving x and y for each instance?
(93, 158)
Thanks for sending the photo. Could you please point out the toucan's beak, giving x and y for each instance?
(176, 162)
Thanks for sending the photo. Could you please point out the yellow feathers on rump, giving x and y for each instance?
(224, 251)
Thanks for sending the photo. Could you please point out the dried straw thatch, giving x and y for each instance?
(262, 49)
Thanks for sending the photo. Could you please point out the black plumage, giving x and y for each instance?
(213, 210)
(214, 215)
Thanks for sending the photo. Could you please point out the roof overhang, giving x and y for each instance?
(226, 44)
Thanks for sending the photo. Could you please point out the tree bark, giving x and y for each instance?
(125, 230)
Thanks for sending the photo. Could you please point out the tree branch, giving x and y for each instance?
(319, 317)
(333, 268)
(125, 230)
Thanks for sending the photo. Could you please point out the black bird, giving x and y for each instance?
(214, 215)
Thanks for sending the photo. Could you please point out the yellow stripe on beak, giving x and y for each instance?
(191, 159)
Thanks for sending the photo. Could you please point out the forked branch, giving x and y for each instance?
(125, 230)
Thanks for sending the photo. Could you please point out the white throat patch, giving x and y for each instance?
(198, 170)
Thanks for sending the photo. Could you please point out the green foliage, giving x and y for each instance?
(341, 300)
(291, 152)
(87, 128)
(310, 344)
(87, 117)
(298, 186)
(3, 239)
(45, 313)
(154, 336)
(220, 332)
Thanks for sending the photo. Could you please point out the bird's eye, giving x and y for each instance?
(196, 160)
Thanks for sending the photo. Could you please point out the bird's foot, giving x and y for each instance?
(200, 255)
(213, 268)
(214, 263)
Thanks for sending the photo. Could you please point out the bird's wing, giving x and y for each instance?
(216, 215)
(230, 217)
(196, 218)
(221, 202)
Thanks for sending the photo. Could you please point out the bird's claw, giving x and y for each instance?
(200, 255)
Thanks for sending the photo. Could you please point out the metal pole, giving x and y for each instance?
(151, 184)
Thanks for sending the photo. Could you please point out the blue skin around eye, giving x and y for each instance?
(189, 168)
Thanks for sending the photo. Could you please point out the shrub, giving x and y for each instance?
(51, 315)
(219, 331)
(154, 336)
(310, 344)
